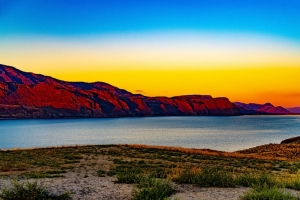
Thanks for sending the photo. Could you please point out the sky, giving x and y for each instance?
(248, 51)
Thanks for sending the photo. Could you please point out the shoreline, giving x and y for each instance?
(142, 116)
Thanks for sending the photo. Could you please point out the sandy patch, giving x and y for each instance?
(191, 192)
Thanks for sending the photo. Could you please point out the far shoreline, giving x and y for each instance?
(110, 117)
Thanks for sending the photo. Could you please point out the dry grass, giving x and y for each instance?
(289, 151)
(254, 153)
(159, 161)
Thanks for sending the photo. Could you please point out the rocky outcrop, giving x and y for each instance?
(29, 95)
(266, 108)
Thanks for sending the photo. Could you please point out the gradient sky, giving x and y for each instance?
(246, 50)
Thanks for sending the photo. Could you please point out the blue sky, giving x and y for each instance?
(73, 17)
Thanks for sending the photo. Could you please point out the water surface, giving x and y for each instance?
(220, 133)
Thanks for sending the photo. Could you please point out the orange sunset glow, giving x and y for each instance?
(241, 67)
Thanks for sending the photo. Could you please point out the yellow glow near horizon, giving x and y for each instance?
(279, 86)
(243, 68)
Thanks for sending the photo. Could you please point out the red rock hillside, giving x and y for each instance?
(267, 108)
(28, 95)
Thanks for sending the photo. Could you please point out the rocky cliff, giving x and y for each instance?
(29, 95)
(267, 108)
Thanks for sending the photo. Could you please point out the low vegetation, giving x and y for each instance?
(151, 169)
(265, 192)
(149, 188)
(207, 177)
(30, 191)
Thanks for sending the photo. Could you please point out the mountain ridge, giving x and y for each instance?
(256, 109)
(29, 95)
(294, 110)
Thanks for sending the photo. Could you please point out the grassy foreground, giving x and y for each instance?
(153, 169)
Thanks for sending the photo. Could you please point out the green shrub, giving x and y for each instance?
(249, 180)
(215, 178)
(293, 170)
(128, 177)
(294, 184)
(152, 189)
(111, 173)
(101, 173)
(159, 173)
(30, 191)
(266, 193)
(208, 177)
(246, 180)
(187, 177)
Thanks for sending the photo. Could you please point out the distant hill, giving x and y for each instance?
(29, 95)
(267, 108)
(294, 110)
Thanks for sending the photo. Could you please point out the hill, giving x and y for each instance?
(267, 108)
(29, 95)
(294, 110)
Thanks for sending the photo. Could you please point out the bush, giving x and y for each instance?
(249, 180)
(159, 173)
(101, 173)
(152, 189)
(208, 177)
(215, 178)
(246, 180)
(295, 184)
(30, 191)
(293, 170)
(128, 177)
(266, 193)
(185, 176)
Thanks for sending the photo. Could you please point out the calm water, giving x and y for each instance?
(220, 133)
